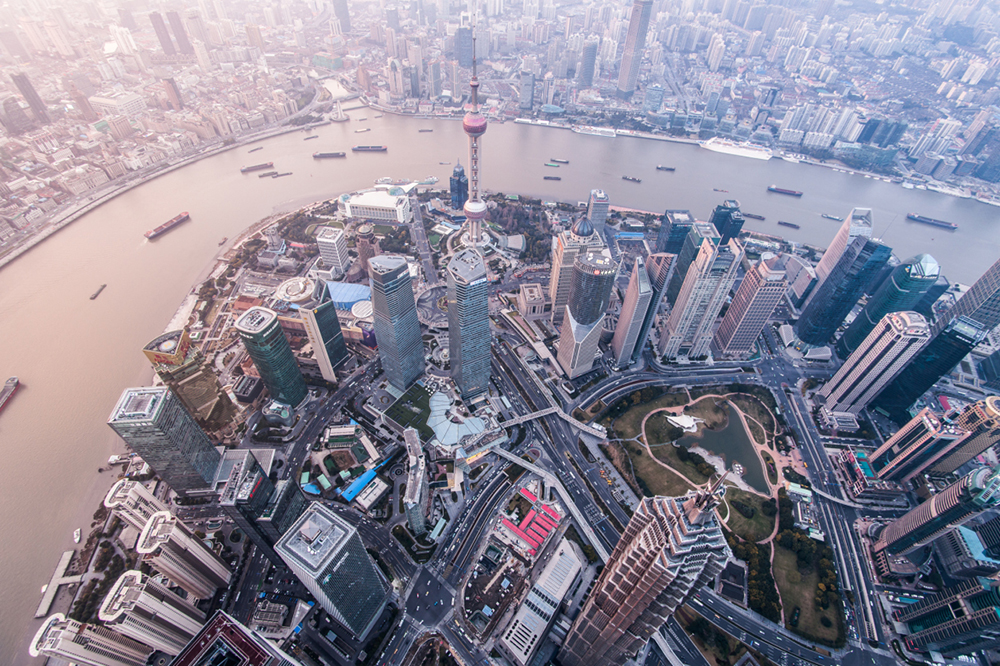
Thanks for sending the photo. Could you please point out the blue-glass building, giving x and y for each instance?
(469, 323)
(459, 187)
(272, 355)
(728, 220)
(397, 329)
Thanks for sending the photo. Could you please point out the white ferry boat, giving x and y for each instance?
(717, 145)
(594, 131)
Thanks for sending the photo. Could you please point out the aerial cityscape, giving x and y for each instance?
(452, 332)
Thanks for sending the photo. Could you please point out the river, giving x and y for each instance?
(74, 356)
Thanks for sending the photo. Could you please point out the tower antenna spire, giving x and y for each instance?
(474, 124)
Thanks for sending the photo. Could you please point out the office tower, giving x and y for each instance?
(396, 326)
(469, 323)
(961, 553)
(160, 28)
(762, 289)
(224, 640)
(464, 46)
(960, 620)
(936, 359)
(186, 371)
(727, 220)
(173, 93)
(168, 546)
(254, 37)
(952, 506)
(141, 608)
(635, 43)
(690, 248)
(154, 424)
(833, 299)
(588, 63)
(177, 27)
(326, 336)
(981, 420)
(526, 96)
(638, 297)
(367, 246)
(326, 554)
(537, 613)
(15, 120)
(567, 245)
(902, 290)
(589, 295)
(688, 331)
(459, 187)
(31, 96)
(989, 534)
(342, 10)
(671, 547)
(981, 303)
(133, 503)
(925, 305)
(267, 345)
(881, 356)
(653, 99)
(857, 223)
(597, 210)
(474, 124)
(659, 268)
(86, 644)
(245, 497)
(417, 487)
(915, 447)
(674, 228)
(332, 244)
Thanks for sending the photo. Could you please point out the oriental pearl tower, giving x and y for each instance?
(474, 125)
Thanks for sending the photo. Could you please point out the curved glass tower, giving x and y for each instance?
(272, 355)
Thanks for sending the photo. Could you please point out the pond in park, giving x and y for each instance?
(733, 444)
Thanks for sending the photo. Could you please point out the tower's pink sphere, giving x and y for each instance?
(474, 124)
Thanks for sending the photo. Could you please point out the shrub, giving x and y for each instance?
(744, 508)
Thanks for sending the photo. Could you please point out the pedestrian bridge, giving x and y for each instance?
(471, 444)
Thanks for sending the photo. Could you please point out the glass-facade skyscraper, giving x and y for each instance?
(397, 329)
(728, 220)
(981, 302)
(635, 44)
(674, 228)
(589, 294)
(459, 187)
(469, 323)
(840, 292)
(155, 425)
(659, 268)
(323, 328)
(959, 620)
(902, 290)
(267, 345)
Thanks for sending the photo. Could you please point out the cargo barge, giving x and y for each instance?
(551, 164)
(832, 217)
(314, 136)
(425, 130)
(552, 177)
(97, 293)
(267, 174)
(254, 150)
(781, 190)
(660, 167)
(782, 223)
(257, 167)
(167, 226)
(559, 161)
(323, 156)
(631, 179)
(950, 226)
(370, 149)
(754, 216)
(8, 391)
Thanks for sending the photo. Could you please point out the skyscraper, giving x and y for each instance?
(659, 268)
(593, 279)
(86, 644)
(397, 329)
(167, 545)
(952, 506)
(326, 554)
(902, 290)
(728, 220)
(915, 447)
(223, 640)
(960, 620)
(690, 248)
(597, 210)
(32, 97)
(857, 223)
(180, 35)
(671, 547)
(981, 303)
(469, 323)
(638, 297)
(526, 95)
(367, 246)
(160, 28)
(155, 425)
(267, 345)
(141, 608)
(635, 43)
(341, 9)
(327, 338)
(474, 124)
(184, 369)
(332, 243)
(833, 299)
(245, 498)
(133, 503)
(762, 289)
(936, 359)
(881, 356)
(417, 487)
(688, 331)
(568, 244)
(459, 187)
(588, 63)
(981, 420)
(674, 228)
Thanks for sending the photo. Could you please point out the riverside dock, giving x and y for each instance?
(58, 578)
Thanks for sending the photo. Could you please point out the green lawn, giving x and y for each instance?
(714, 416)
(651, 475)
(412, 410)
(629, 424)
(752, 407)
(751, 529)
(799, 590)
(770, 467)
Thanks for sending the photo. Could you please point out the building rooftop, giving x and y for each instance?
(315, 538)
(123, 595)
(296, 290)
(386, 263)
(467, 266)
(255, 320)
(138, 404)
(329, 234)
(158, 530)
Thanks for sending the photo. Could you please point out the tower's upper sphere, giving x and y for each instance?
(474, 123)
